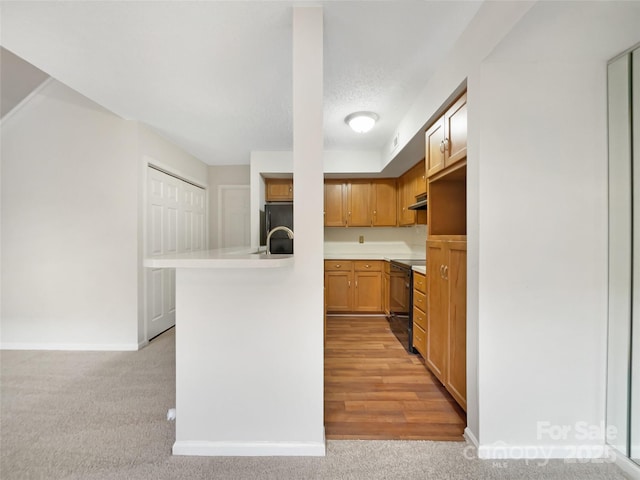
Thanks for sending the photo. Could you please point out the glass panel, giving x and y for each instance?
(620, 224)
(635, 352)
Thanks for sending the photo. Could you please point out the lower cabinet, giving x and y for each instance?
(447, 315)
(353, 286)
(386, 285)
(419, 314)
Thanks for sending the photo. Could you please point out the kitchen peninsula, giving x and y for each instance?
(235, 307)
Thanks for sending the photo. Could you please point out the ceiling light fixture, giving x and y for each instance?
(361, 122)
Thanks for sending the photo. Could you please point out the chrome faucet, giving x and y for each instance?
(272, 231)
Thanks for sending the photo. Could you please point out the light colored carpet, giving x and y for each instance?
(97, 415)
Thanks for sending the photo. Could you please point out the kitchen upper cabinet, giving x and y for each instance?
(406, 197)
(335, 204)
(384, 201)
(354, 286)
(278, 189)
(420, 177)
(359, 211)
(446, 139)
(446, 315)
(360, 203)
(409, 187)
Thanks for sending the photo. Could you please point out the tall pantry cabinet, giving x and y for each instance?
(447, 249)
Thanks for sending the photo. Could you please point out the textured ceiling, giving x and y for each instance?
(215, 77)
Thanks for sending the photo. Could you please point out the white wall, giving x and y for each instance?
(69, 225)
(394, 241)
(540, 107)
(73, 196)
(218, 176)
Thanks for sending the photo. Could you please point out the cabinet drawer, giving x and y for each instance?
(420, 300)
(419, 282)
(367, 266)
(419, 339)
(338, 265)
(420, 318)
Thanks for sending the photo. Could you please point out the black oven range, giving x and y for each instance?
(401, 300)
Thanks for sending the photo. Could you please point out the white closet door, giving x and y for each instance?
(175, 224)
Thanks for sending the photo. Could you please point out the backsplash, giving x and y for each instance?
(410, 240)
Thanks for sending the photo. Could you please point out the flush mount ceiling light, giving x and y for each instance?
(361, 122)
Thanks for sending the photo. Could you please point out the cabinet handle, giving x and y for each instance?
(446, 144)
(441, 271)
(338, 265)
(356, 284)
(367, 266)
(441, 146)
(446, 272)
(349, 283)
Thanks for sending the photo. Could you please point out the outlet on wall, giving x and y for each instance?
(361, 239)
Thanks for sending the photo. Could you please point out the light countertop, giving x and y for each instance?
(422, 270)
(372, 256)
(221, 258)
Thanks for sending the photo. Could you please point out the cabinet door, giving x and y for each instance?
(456, 276)
(455, 125)
(334, 204)
(434, 147)
(338, 291)
(406, 197)
(437, 334)
(359, 201)
(384, 201)
(279, 190)
(385, 293)
(368, 292)
(420, 177)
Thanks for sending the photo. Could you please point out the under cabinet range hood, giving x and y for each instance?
(421, 203)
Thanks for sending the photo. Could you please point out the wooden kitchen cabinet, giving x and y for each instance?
(446, 315)
(368, 286)
(354, 286)
(419, 314)
(338, 277)
(386, 286)
(420, 178)
(446, 139)
(360, 203)
(278, 189)
(335, 205)
(410, 186)
(406, 186)
(384, 201)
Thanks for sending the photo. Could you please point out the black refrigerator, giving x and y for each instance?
(276, 215)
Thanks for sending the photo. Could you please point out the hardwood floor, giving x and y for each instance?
(374, 389)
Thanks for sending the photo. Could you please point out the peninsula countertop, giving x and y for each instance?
(221, 258)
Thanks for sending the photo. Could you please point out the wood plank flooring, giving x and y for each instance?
(375, 390)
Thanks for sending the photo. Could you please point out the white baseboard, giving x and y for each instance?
(470, 437)
(251, 449)
(89, 347)
(630, 468)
